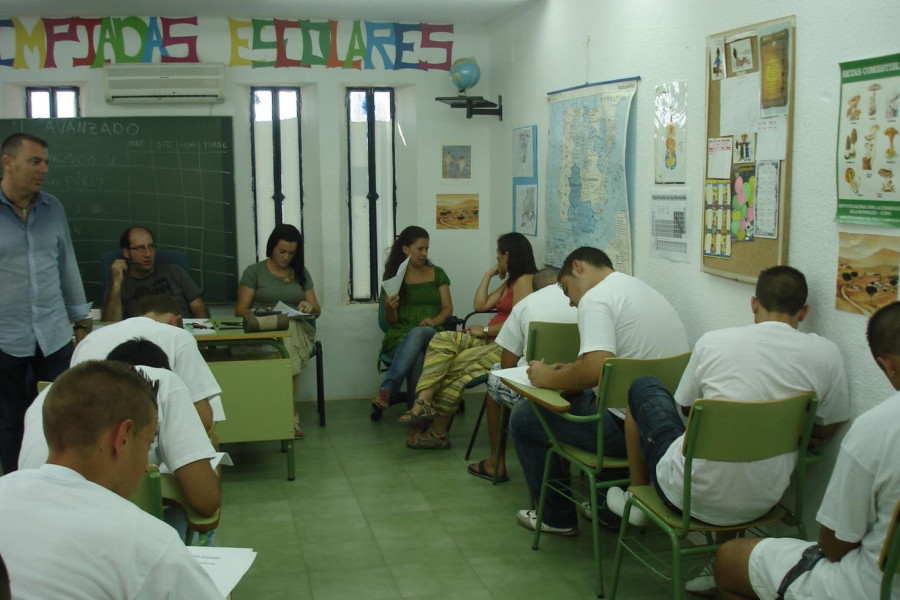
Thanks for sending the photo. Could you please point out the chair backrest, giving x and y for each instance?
(164, 256)
(732, 431)
(42, 385)
(552, 342)
(148, 495)
(619, 373)
(889, 561)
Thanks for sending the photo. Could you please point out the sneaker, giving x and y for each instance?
(703, 584)
(528, 520)
(605, 517)
(616, 499)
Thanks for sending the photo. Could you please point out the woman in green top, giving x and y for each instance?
(415, 314)
(283, 277)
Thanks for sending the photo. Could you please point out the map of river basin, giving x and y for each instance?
(587, 199)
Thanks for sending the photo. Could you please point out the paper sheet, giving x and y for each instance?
(392, 286)
(771, 138)
(289, 310)
(669, 239)
(199, 326)
(739, 104)
(515, 374)
(225, 566)
(718, 157)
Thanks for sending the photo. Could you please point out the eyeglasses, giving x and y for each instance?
(147, 248)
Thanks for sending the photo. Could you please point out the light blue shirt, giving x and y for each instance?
(40, 286)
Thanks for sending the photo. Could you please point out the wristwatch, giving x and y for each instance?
(86, 323)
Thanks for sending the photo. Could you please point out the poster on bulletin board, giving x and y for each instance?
(525, 183)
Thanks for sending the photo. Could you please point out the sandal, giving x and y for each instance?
(428, 440)
(383, 400)
(424, 414)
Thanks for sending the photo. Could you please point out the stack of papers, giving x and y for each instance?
(515, 374)
(225, 566)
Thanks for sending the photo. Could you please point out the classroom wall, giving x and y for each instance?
(349, 332)
(556, 44)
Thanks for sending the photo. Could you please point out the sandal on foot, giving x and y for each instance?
(428, 440)
(478, 470)
(421, 412)
(383, 400)
(298, 431)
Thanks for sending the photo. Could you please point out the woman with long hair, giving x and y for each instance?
(283, 277)
(414, 314)
(454, 358)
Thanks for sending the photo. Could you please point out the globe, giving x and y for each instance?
(465, 73)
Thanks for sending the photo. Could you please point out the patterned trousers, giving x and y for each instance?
(454, 359)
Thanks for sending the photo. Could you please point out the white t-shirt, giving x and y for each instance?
(546, 304)
(625, 316)
(181, 438)
(765, 361)
(179, 345)
(66, 537)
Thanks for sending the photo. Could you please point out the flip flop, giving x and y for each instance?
(479, 471)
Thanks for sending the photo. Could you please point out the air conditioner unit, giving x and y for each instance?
(164, 83)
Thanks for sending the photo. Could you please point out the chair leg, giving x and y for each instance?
(475, 430)
(503, 421)
(541, 502)
(617, 559)
(320, 384)
(595, 533)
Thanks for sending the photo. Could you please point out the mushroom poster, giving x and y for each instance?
(868, 144)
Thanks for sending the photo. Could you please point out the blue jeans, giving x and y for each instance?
(18, 381)
(408, 359)
(656, 414)
(532, 444)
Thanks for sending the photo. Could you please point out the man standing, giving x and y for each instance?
(618, 316)
(137, 275)
(42, 294)
(855, 513)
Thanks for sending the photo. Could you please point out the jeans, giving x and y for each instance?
(18, 387)
(408, 359)
(656, 415)
(532, 444)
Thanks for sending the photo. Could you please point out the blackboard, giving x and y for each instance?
(174, 175)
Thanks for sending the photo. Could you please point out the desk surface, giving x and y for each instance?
(233, 334)
(549, 399)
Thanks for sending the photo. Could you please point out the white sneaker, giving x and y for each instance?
(615, 501)
(703, 584)
(528, 520)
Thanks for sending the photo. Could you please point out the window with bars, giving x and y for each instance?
(372, 189)
(51, 102)
(276, 160)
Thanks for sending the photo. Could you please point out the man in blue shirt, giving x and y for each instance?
(41, 293)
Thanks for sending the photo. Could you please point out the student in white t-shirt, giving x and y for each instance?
(181, 445)
(160, 323)
(546, 303)
(855, 512)
(68, 530)
(768, 360)
(618, 316)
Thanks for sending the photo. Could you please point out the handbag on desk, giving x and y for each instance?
(253, 323)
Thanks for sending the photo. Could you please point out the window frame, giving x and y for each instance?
(374, 254)
(52, 90)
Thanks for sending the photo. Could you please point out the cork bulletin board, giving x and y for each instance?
(749, 124)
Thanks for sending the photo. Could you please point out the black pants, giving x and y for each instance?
(18, 387)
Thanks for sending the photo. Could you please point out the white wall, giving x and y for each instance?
(543, 47)
(349, 332)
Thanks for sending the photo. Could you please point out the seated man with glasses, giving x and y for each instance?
(137, 275)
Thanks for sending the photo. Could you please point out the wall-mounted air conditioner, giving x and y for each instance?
(164, 83)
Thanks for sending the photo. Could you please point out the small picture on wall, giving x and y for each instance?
(457, 211)
(741, 55)
(456, 162)
(525, 202)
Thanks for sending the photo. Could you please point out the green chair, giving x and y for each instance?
(148, 495)
(728, 431)
(612, 392)
(547, 342)
(889, 561)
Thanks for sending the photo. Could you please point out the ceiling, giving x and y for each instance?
(429, 11)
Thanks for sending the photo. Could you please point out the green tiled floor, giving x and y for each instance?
(369, 518)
